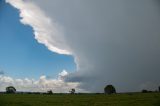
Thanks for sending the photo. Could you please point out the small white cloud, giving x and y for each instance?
(62, 75)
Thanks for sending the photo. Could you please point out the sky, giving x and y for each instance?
(105, 42)
(21, 55)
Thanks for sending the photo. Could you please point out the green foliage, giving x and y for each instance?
(144, 91)
(109, 89)
(49, 92)
(72, 91)
(132, 99)
(10, 89)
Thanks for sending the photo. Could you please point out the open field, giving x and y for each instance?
(132, 99)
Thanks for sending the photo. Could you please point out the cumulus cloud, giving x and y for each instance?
(63, 74)
(41, 85)
(113, 41)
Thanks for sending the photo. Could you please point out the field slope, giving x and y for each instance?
(132, 99)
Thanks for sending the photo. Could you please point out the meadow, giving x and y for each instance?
(128, 99)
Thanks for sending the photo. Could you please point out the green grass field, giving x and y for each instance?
(135, 99)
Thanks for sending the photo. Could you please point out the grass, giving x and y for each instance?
(133, 99)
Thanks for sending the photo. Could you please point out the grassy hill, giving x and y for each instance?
(130, 99)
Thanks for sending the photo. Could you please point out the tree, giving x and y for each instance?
(144, 91)
(109, 89)
(49, 92)
(10, 89)
(159, 88)
(72, 91)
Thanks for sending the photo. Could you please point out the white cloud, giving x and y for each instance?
(112, 41)
(41, 85)
(44, 28)
(62, 75)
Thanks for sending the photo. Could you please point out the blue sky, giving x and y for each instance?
(113, 42)
(21, 55)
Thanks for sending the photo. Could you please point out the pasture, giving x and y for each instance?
(130, 99)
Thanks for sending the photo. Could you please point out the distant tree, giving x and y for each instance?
(150, 91)
(72, 91)
(109, 89)
(144, 91)
(49, 92)
(10, 89)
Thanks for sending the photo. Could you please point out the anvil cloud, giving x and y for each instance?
(113, 41)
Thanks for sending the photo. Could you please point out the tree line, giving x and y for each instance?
(109, 89)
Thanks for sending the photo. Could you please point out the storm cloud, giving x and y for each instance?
(113, 41)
